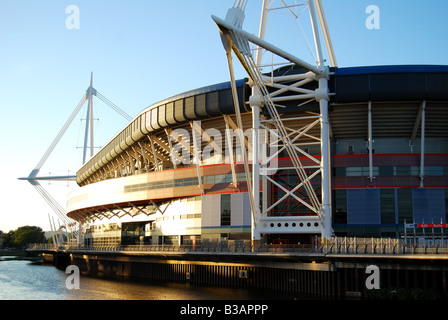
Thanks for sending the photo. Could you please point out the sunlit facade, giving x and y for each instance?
(172, 176)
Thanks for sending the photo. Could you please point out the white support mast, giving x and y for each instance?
(34, 178)
(238, 40)
(256, 108)
(89, 121)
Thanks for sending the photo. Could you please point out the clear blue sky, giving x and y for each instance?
(142, 51)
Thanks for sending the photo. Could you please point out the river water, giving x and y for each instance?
(22, 279)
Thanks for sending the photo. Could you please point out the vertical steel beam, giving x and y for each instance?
(255, 233)
(422, 142)
(266, 187)
(325, 162)
(131, 164)
(144, 157)
(256, 236)
(262, 29)
(156, 162)
(89, 122)
(369, 139)
(230, 147)
(168, 136)
(196, 127)
(86, 132)
(326, 33)
(320, 59)
(92, 146)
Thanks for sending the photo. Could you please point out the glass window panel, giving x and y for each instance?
(339, 172)
(209, 180)
(402, 171)
(434, 171)
(220, 178)
(169, 184)
(241, 176)
(353, 171)
(225, 209)
(415, 171)
(405, 205)
(159, 184)
(387, 197)
(340, 206)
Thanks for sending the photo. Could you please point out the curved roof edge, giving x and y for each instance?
(390, 83)
(351, 84)
(194, 92)
(390, 69)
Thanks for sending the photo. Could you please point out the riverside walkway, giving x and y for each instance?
(335, 269)
(336, 245)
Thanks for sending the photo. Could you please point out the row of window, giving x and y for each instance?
(222, 178)
(101, 241)
(390, 206)
(181, 216)
(338, 172)
(390, 171)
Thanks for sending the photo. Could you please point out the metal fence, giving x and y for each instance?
(334, 245)
(353, 245)
(222, 247)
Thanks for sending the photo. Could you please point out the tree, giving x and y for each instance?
(24, 235)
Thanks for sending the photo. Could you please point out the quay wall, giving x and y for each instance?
(322, 276)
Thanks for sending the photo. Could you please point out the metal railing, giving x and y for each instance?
(354, 245)
(211, 247)
(334, 245)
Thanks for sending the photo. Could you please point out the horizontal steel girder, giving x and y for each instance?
(290, 224)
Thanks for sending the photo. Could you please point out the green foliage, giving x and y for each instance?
(23, 236)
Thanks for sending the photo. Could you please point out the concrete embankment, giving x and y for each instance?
(306, 274)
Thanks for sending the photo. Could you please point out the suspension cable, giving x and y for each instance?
(113, 106)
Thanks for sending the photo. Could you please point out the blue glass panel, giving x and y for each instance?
(428, 205)
(363, 206)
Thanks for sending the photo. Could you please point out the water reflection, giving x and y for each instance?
(25, 280)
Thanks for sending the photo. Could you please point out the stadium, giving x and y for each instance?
(288, 156)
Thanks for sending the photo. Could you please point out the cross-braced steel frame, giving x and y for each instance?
(268, 93)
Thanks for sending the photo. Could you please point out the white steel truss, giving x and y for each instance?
(268, 93)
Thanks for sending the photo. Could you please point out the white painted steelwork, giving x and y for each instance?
(237, 40)
(33, 177)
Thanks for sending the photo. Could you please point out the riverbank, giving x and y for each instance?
(20, 255)
(13, 252)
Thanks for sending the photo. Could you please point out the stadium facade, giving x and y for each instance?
(389, 153)
(299, 153)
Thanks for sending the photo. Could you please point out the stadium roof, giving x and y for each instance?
(354, 85)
